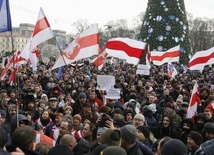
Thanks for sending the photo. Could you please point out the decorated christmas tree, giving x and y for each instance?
(165, 26)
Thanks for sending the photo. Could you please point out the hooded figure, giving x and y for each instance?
(200, 120)
(165, 128)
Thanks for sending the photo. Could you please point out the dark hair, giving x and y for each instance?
(24, 136)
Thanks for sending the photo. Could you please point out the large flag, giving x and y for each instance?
(194, 101)
(13, 62)
(124, 48)
(169, 56)
(100, 60)
(85, 45)
(42, 32)
(201, 59)
(5, 18)
(172, 72)
(148, 56)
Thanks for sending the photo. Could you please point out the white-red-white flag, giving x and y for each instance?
(201, 59)
(100, 60)
(124, 48)
(42, 32)
(194, 101)
(148, 56)
(85, 45)
(14, 61)
(169, 56)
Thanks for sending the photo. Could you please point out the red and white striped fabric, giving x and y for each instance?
(84, 46)
(169, 56)
(100, 60)
(194, 101)
(124, 48)
(13, 62)
(201, 59)
(42, 32)
(148, 56)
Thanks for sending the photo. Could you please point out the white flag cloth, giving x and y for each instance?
(85, 45)
(201, 59)
(42, 32)
(124, 48)
(169, 56)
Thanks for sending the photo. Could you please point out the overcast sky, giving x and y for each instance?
(61, 14)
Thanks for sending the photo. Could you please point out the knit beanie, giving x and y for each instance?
(60, 149)
(174, 147)
(111, 137)
(145, 130)
(129, 133)
(82, 95)
(196, 137)
(118, 111)
(140, 117)
(114, 150)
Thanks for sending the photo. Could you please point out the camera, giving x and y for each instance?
(103, 119)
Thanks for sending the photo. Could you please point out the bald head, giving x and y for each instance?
(69, 140)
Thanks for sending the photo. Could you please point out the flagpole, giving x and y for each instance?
(60, 52)
(17, 118)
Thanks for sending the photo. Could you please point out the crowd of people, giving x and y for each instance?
(48, 113)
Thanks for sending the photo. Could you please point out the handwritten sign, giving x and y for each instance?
(105, 82)
(143, 69)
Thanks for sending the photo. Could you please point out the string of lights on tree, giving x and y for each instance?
(165, 26)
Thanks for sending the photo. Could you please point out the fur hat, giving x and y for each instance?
(188, 121)
(196, 137)
(114, 150)
(129, 133)
(77, 116)
(111, 137)
(174, 147)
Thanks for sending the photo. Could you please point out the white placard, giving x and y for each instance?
(105, 82)
(113, 93)
(143, 69)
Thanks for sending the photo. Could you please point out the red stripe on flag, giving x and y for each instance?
(42, 24)
(201, 60)
(89, 40)
(100, 59)
(130, 51)
(166, 55)
(83, 42)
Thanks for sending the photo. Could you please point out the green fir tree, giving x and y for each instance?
(165, 26)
